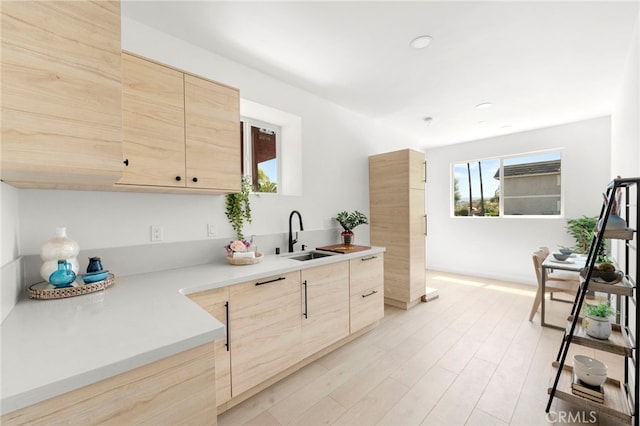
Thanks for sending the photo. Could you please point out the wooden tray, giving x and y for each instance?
(45, 291)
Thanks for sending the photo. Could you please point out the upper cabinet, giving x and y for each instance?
(180, 131)
(61, 93)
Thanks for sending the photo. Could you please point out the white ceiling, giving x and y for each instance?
(539, 63)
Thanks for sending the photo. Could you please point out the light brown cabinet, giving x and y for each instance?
(366, 281)
(216, 303)
(61, 93)
(179, 130)
(398, 222)
(325, 304)
(266, 338)
(174, 390)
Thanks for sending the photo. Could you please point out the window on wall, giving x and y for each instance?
(260, 147)
(523, 185)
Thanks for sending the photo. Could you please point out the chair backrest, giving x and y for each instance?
(538, 257)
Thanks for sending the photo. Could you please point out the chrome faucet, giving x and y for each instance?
(292, 241)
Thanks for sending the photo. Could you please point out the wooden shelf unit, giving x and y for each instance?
(615, 399)
(621, 398)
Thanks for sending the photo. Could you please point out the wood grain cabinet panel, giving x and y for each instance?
(325, 304)
(212, 114)
(153, 120)
(397, 222)
(266, 329)
(61, 93)
(181, 132)
(366, 281)
(176, 390)
(216, 303)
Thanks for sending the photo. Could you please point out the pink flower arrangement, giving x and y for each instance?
(237, 246)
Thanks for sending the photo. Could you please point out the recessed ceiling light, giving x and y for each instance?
(482, 123)
(484, 105)
(421, 42)
(428, 120)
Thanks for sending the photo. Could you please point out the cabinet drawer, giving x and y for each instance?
(366, 301)
(366, 307)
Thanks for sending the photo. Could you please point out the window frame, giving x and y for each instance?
(247, 151)
(501, 159)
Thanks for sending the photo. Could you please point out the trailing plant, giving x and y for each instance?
(348, 221)
(601, 310)
(238, 208)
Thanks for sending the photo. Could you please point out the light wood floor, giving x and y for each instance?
(470, 357)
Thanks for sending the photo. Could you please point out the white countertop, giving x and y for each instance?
(50, 347)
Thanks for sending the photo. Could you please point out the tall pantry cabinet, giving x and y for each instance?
(398, 223)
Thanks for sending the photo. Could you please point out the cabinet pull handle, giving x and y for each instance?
(126, 161)
(425, 225)
(195, 179)
(271, 281)
(425, 171)
(178, 178)
(364, 259)
(370, 294)
(226, 308)
(305, 300)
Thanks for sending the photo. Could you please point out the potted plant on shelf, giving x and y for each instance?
(596, 322)
(348, 221)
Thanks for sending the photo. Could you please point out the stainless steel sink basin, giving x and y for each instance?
(310, 256)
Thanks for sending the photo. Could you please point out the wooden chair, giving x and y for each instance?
(561, 281)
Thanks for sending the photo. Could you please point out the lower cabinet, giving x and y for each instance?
(265, 328)
(276, 322)
(367, 290)
(216, 302)
(325, 304)
(172, 391)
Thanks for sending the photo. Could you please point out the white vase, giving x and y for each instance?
(60, 247)
(597, 327)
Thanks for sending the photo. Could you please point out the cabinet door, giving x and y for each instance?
(153, 123)
(325, 304)
(417, 169)
(366, 280)
(265, 321)
(417, 272)
(212, 115)
(216, 302)
(61, 93)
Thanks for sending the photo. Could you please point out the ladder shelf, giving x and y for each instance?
(621, 397)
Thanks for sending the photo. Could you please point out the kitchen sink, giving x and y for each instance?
(310, 256)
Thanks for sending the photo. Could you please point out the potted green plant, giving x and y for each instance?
(581, 230)
(238, 208)
(596, 322)
(348, 221)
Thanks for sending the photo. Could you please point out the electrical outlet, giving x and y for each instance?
(211, 230)
(156, 233)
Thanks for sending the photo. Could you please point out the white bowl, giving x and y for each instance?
(589, 365)
(591, 379)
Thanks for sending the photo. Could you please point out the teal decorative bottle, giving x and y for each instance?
(60, 247)
(63, 276)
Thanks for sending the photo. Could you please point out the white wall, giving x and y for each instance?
(501, 247)
(10, 265)
(625, 122)
(336, 144)
(625, 119)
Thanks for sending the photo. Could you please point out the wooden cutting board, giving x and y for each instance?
(343, 248)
